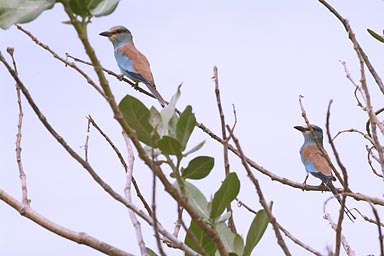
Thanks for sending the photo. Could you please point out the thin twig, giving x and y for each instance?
(194, 239)
(118, 76)
(365, 136)
(367, 125)
(289, 235)
(345, 183)
(369, 154)
(357, 87)
(178, 221)
(366, 218)
(298, 242)
(231, 222)
(241, 204)
(22, 175)
(127, 192)
(344, 242)
(78, 237)
(67, 63)
(262, 200)
(122, 161)
(86, 144)
(378, 224)
(355, 44)
(155, 228)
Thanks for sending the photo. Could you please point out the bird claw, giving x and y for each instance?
(323, 187)
(304, 183)
(120, 77)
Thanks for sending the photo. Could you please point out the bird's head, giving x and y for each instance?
(307, 132)
(118, 35)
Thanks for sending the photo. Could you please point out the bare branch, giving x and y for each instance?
(127, 192)
(23, 178)
(367, 137)
(378, 224)
(347, 248)
(78, 237)
(356, 45)
(345, 183)
(67, 63)
(262, 200)
(298, 242)
(369, 155)
(231, 222)
(86, 144)
(122, 161)
(118, 76)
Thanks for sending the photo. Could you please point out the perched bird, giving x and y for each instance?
(132, 63)
(315, 163)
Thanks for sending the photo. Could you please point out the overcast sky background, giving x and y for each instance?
(268, 53)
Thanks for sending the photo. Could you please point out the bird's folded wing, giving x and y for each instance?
(139, 62)
(315, 161)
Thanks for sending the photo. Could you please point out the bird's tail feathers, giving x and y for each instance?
(331, 187)
(157, 95)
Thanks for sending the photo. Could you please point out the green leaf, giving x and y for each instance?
(205, 242)
(195, 198)
(195, 148)
(156, 121)
(185, 126)
(80, 7)
(104, 8)
(168, 117)
(22, 11)
(198, 168)
(97, 8)
(238, 245)
(169, 146)
(150, 252)
(223, 218)
(226, 236)
(375, 35)
(137, 116)
(225, 195)
(256, 231)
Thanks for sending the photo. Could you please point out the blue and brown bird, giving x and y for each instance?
(131, 61)
(314, 161)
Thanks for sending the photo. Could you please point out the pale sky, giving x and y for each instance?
(268, 53)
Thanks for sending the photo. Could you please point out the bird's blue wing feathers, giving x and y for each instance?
(135, 76)
(126, 67)
(320, 176)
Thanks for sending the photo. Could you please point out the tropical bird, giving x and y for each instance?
(315, 162)
(131, 61)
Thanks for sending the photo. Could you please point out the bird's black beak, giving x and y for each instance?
(300, 128)
(105, 33)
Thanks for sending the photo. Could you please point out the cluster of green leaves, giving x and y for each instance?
(23, 11)
(166, 133)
